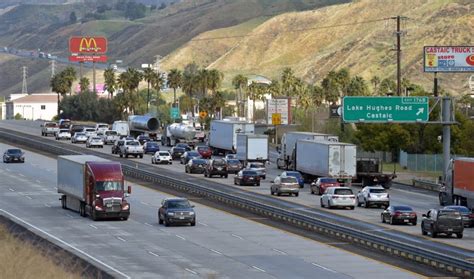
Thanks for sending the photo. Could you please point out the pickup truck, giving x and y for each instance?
(447, 221)
(49, 128)
(131, 147)
(110, 136)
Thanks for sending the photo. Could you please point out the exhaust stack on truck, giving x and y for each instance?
(92, 186)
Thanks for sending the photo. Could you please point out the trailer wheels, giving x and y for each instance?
(63, 202)
(82, 209)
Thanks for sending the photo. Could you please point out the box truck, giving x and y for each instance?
(288, 141)
(93, 186)
(458, 183)
(325, 159)
(252, 148)
(223, 134)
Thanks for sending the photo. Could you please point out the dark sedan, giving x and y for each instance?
(176, 210)
(399, 214)
(177, 152)
(151, 147)
(196, 165)
(466, 214)
(143, 138)
(233, 166)
(247, 177)
(13, 155)
(188, 155)
(184, 145)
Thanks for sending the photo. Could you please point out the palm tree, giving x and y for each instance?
(129, 82)
(59, 85)
(375, 81)
(214, 80)
(175, 80)
(148, 75)
(110, 82)
(240, 82)
(69, 75)
(84, 84)
(190, 81)
(257, 92)
(202, 79)
(287, 81)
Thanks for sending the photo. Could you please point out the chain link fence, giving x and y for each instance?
(422, 162)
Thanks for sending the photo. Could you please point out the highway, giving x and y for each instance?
(420, 200)
(221, 245)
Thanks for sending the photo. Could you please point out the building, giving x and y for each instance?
(31, 107)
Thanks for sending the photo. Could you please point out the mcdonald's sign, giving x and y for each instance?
(88, 45)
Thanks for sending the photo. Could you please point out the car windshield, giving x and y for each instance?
(108, 185)
(449, 214)
(152, 144)
(103, 126)
(328, 180)
(462, 209)
(199, 161)
(250, 173)
(257, 165)
(402, 208)
(96, 138)
(133, 143)
(289, 179)
(343, 192)
(64, 131)
(203, 148)
(193, 154)
(144, 137)
(89, 130)
(182, 145)
(80, 134)
(111, 133)
(294, 174)
(219, 163)
(14, 151)
(179, 204)
(233, 162)
(164, 154)
(178, 149)
(378, 191)
(50, 125)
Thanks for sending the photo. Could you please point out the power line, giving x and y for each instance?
(293, 30)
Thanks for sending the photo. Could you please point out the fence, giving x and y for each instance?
(422, 162)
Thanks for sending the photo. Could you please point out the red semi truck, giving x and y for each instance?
(458, 185)
(93, 186)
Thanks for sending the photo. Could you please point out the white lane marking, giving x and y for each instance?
(22, 175)
(156, 255)
(47, 205)
(121, 239)
(215, 251)
(37, 181)
(237, 236)
(258, 268)
(279, 251)
(148, 224)
(68, 245)
(178, 236)
(204, 224)
(191, 271)
(28, 197)
(69, 215)
(92, 226)
(323, 267)
(11, 189)
(145, 203)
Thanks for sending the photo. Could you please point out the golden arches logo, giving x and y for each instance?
(87, 43)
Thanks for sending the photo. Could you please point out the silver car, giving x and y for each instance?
(63, 134)
(285, 185)
(342, 197)
(79, 137)
(373, 195)
(95, 141)
(161, 157)
(259, 168)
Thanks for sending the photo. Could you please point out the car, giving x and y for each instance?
(89, 132)
(101, 127)
(95, 141)
(200, 135)
(161, 157)
(216, 167)
(63, 134)
(373, 195)
(79, 137)
(176, 210)
(110, 136)
(230, 156)
(195, 165)
(184, 145)
(399, 214)
(295, 174)
(143, 138)
(116, 147)
(285, 185)
(233, 165)
(151, 147)
(442, 221)
(247, 177)
(64, 123)
(341, 197)
(259, 168)
(188, 155)
(49, 128)
(75, 129)
(320, 185)
(131, 147)
(13, 155)
(177, 152)
(466, 214)
(205, 151)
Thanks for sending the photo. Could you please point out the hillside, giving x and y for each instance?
(315, 42)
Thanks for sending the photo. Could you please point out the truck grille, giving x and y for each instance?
(113, 204)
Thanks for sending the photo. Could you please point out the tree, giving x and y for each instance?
(69, 76)
(110, 82)
(84, 84)
(357, 87)
(343, 79)
(72, 18)
(375, 80)
(387, 86)
(287, 81)
(191, 81)
(59, 85)
(175, 80)
(150, 76)
(214, 80)
(257, 91)
(330, 88)
(240, 82)
(129, 82)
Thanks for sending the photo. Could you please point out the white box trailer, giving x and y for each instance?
(324, 158)
(289, 139)
(251, 147)
(223, 134)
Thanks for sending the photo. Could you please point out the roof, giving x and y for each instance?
(37, 98)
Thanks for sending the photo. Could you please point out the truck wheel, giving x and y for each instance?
(126, 155)
(94, 215)
(423, 232)
(166, 222)
(82, 209)
(226, 175)
(297, 194)
(459, 235)
(63, 202)
(141, 156)
(121, 155)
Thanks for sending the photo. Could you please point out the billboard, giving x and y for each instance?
(279, 108)
(88, 45)
(88, 58)
(448, 59)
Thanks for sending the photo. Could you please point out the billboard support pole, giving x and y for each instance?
(93, 77)
(435, 85)
(80, 70)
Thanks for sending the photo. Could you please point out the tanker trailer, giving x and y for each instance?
(178, 132)
(143, 124)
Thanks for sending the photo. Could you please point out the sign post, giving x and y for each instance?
(385, 109)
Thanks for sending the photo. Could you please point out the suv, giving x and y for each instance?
(176, 210)
(447, 221)
(131, 147)
(116, 146)
(49, 128)
(216, 167)
(320, 185)
(285, 184)
(373, 195)
(110, 136)
(338, 197)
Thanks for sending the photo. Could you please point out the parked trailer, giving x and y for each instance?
(288, 142)
(251, 148)
(223, 134)
(325, 159)
(92, 186)
(458, 184)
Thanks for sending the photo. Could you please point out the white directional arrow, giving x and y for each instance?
(420, 111)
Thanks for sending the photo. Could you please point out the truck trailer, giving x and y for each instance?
(178, 132)
(369, 173)
(223, 134)
(315, 159)
(288, 141)
(458, 183)
(92, 186)
(252, 148)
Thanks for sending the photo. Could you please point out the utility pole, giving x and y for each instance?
(24, 86)
(399, 54)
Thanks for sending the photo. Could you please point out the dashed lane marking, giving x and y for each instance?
(323, 267)
(259, 269)
(191, 271)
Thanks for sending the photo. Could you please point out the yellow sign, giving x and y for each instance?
(431, 60)
(202, 114)
(276, 118)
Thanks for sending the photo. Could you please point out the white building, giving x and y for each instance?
(31, 107)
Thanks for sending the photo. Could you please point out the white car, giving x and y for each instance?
(63, 134)
(89, 132)
(338, 197)
(95, 141)
(79, 137)
(111, 136)
(101, 127)
(161, 157)
(373, 195)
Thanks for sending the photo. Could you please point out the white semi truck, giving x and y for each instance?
(252, 148)
(223, 134)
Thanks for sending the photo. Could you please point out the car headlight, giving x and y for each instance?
(125, 206)
(191, 213)
(170, 213)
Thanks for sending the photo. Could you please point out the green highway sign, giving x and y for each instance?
(385, 109)
(174, 113)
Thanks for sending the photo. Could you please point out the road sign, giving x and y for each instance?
(276, 118)
(202, 114)
(385, 109)
(174, 113)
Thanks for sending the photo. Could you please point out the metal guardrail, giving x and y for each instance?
(445, 262)
(426, 184)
